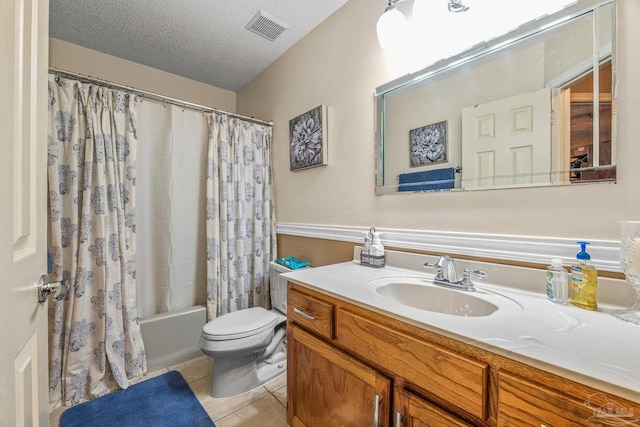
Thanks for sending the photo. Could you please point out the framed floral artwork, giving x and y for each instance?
(308, 139)
(428, 144)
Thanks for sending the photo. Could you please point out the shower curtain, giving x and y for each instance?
(171, 259)
(95, 343)
(241, 239)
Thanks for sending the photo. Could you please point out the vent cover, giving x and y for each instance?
(266, 25)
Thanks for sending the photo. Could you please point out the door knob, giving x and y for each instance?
(45, 288)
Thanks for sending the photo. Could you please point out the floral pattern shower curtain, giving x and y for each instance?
(241, 239)
(95, 343)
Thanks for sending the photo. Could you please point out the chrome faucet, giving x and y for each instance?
(447, 276)
(445, 268)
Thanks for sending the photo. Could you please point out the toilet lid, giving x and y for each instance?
(240, 324)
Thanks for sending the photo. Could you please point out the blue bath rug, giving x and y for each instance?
(165, 400)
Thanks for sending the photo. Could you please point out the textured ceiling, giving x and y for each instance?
(204, 40)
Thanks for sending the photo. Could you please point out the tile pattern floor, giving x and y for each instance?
(261, 407)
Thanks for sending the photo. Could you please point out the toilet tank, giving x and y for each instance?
(278, 286)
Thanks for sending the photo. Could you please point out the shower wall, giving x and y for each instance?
(170, 212)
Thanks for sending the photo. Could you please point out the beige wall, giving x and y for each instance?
(340, 64)
(71, 57)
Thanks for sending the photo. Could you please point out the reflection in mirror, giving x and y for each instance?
(515, 111)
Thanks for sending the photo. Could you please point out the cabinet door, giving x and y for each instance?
(411, 411)
(328, 388)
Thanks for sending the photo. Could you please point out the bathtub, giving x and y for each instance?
(172, 337)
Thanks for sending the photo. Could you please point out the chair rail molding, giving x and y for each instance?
(531, 249)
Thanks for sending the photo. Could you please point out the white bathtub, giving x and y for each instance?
(172, 337)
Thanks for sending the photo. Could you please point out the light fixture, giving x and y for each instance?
(392, 25)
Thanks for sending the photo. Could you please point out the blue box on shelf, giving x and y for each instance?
(292, 262)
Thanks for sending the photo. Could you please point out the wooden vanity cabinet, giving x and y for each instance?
(341, 356)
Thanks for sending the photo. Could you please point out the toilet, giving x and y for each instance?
(249, 346)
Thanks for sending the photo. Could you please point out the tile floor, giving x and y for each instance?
(261, 407)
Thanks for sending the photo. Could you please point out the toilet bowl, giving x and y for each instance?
(248, 346)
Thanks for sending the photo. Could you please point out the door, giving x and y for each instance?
(24, 385)
(507, 142)
(329, 388)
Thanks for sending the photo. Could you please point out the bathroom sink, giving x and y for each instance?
(420, 294)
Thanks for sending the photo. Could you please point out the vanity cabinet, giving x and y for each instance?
(342, 355)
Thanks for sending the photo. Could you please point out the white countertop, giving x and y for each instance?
(593, 348)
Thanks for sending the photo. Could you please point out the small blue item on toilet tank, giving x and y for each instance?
(292, 262)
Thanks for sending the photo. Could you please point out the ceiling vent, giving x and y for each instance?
(266, 25)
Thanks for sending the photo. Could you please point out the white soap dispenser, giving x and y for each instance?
(367, 243)
(557, 282)
(376, 248)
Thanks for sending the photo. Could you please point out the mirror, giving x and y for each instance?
(515, 111)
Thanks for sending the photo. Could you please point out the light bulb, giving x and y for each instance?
(421, 10)
(391, 28)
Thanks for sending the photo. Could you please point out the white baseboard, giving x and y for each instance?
(539, 250)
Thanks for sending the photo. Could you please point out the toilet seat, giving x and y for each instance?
(240, 324)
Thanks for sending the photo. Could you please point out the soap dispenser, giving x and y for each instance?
(584, 280)
(367, 243)
(376, 248)
(557, 286)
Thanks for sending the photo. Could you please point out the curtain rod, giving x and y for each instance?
(151, 95)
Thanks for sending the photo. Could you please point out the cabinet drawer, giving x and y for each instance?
(447, 377)
(310, 313)
(522, 403)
